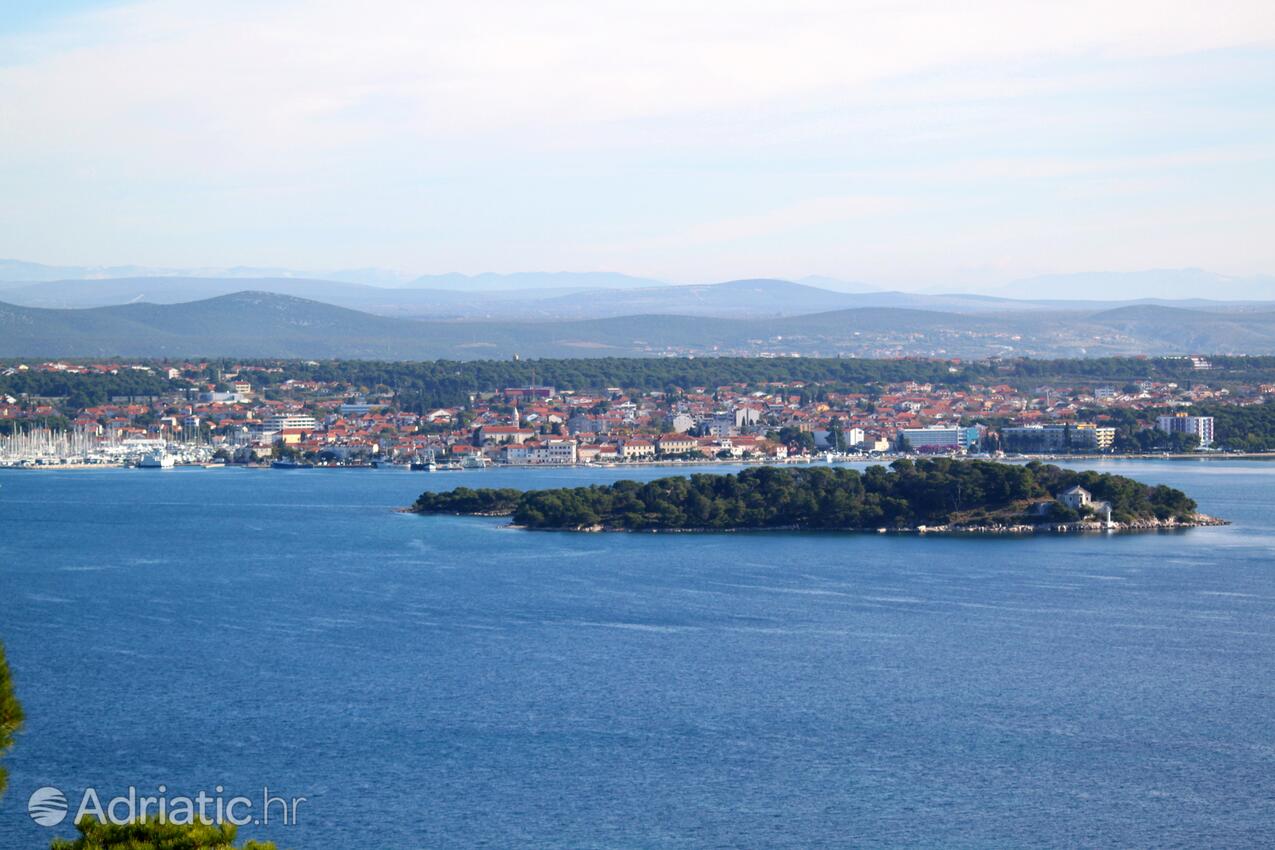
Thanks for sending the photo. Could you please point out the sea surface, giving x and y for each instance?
(445, 682)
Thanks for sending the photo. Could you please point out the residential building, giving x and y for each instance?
(719, 426)
(1182, 423)
(1087, 436)
(356, 408)
(681, 422)
(675, 444)
(289, 421)
(550, 452)
(581, 423)
(941, 438)
(1075, 497)
(637, 450)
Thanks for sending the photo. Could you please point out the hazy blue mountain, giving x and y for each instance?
(736, 298)
(757, 298)
(22, 271)
(533, 281)
(1164, 284)
(837, 285)
(1196, 330)
(19, 271)
(256, 324)
(1196, 287)
(370, 277)
(434, 303)
(173, 290)
(745, 298)
(733, 299)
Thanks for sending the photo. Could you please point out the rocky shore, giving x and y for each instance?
(1089, 526)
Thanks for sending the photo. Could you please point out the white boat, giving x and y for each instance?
(474, 462)
(156, 460)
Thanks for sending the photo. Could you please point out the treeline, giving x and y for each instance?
(81, 391)
(439, 383)
(1248, 428)
(908, 494)
(1224, 367)
(445, 383)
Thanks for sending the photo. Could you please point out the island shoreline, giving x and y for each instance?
(1140, 527)
(937, 496)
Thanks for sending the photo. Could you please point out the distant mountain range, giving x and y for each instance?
(761, 298)
(1165, 284)
(19, 271)
(132, 311)
(1155, 284)
(533, 281)
(23, 272)
(259, 324)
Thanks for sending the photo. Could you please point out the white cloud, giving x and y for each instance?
(319, 73)
(329, 103)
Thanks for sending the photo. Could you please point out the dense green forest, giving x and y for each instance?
(1248, 428)
(83, 391)
(434, 383)
(442, 382)
(908, 494)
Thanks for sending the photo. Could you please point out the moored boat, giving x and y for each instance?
(156, 460)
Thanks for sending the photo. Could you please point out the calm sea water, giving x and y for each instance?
(446, 682)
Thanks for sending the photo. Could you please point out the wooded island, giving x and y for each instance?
(937, 495)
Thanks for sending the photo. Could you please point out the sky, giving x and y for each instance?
(904, 143)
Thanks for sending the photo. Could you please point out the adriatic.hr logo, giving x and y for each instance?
(47, 806)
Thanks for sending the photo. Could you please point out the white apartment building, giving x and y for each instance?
(289, 421)
(1181, 423)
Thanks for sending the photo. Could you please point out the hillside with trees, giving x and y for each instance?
(156, 835)
(909, 494)
(10, 715)
(265, 324)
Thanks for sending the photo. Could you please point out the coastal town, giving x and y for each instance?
(246, 415)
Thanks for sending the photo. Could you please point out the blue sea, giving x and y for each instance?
(445, 682)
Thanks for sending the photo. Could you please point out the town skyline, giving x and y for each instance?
(343, 414)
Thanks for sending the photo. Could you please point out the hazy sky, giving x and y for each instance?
(898, 142)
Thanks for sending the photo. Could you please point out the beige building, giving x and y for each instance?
(504, 434)
(637, 450)
(675, 444)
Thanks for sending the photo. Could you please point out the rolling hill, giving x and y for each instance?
(257, 324)
(1166, 284)
(743, 299)
(740, 298)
